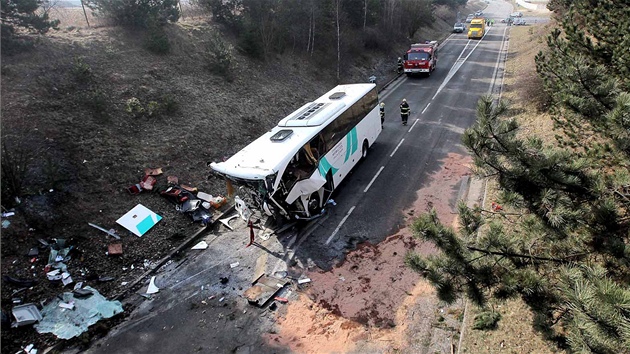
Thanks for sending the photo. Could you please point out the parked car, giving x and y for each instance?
(459, 27)
(519, 22)
(469, 18)
(478, 13)
(516, 14)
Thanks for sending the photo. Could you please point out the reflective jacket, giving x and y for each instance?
(404, 108)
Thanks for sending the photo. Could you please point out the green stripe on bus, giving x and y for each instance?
(325, 166)
(352, 143)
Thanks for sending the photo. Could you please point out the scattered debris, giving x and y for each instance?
(189, 188)
(30, 349)
(114, 249)
(305, 280)
(281, 274)
(110, 232)
(26, 314)
(66, 278)
(224, 280)
(33, 252)
(234, 265)
(204, 196)
(153, 171)
(281, 299)
(81, 293)
(496, 207)
(7, 214)
(172, 180)
(251, 233)
(105, 279)
(200, 246)
(25, 283)
(226, 221)
(242, 208)
(152, 289)
(5, 224)
(68, 305)
(263, 289)
(87, 311)
(139, 220)
(148, 182)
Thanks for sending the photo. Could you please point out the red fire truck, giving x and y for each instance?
(421, 58)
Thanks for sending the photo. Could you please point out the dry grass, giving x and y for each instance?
(515, 333)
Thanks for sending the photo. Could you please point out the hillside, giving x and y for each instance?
(75, 148)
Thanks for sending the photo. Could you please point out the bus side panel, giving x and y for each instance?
(347, 153)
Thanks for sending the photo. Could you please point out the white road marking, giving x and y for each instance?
(413, 125)
(425, 108)
(340, 225)
(373, 179)
(458, 64)
(396, 149)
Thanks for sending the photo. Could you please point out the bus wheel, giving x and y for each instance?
(365, 149)
(313, 204)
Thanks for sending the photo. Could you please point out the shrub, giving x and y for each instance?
(134, 107)
(14, 167)
(157, 40)
(137, 13)
(169, 104)
(22, 14)
(82, 71)
(220, 57)
(486, 320)
(95, 101)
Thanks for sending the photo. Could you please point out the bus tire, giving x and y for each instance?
(314, 204)
(364, 151)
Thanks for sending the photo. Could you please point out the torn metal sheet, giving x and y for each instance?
(26, 314)
(200, 246)
(264, 288)
(152, 289)
(226, 221)
(66, 324)
(139, 220)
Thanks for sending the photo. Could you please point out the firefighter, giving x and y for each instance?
(404, 111)
(382, 110)
(399, 69)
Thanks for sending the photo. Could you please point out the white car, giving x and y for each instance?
(516, 14)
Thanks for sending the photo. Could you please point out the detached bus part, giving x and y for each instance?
(291, 171)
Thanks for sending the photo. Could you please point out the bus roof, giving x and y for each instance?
(267, 155)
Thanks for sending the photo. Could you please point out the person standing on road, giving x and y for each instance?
(399, 68)
(404, 111)
(382, 110)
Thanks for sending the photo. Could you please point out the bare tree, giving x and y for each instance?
(337, 4)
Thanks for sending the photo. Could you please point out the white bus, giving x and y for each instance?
(291, 171)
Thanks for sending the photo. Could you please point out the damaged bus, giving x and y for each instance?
(291, 171)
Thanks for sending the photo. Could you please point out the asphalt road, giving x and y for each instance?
(372, 200)
(200, 305)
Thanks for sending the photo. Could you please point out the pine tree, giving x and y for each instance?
(22, 15)
(561, 244)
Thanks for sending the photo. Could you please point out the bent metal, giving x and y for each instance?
(291, 170)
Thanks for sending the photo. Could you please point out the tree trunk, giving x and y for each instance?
(338, 44)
